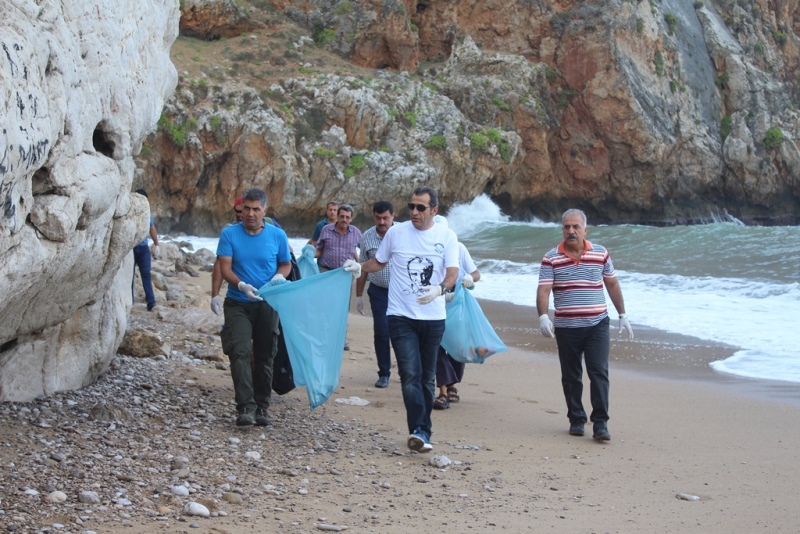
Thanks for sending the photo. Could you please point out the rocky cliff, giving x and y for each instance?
(662, 112)
(83, 84)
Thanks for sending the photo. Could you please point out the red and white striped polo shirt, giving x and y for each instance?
(577, 285)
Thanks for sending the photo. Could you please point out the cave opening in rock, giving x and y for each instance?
(8, 345)
(102, 142)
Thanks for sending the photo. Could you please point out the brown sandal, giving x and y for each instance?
(452, 395)
(441, 403)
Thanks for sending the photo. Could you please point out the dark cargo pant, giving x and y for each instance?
(251, 332)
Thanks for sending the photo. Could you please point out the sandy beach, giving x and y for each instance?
(677, 428)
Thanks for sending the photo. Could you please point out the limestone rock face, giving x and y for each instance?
(84, 83)
(213, 19)
(651, 112)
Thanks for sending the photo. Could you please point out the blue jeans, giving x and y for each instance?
(592, 344)
(416, 345)
(141, 255)
(379, 301)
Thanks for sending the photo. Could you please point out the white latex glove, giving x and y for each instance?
(360, 305)
(309, 251)
(277, 280)
(156, 251)
(429, 294)
(546, 326)
(449, 296)
(625, 324)
(216, 305)
(248, 290)
(467, 282)
(352, 266)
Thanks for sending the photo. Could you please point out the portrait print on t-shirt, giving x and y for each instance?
(419, 272)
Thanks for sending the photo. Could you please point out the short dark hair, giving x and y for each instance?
(142, 192)
(431, 192)
(332, 203)
(345, 207)
(255, 193)
(382, 206)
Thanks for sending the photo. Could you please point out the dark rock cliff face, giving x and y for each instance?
(667, 112)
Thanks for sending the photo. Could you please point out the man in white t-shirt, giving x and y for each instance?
(424, 263)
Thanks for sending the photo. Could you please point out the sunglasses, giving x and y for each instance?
(238, 211)
(419, 207)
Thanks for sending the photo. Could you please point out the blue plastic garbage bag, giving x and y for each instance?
(314, 334)
(468, 336)
(306, 262)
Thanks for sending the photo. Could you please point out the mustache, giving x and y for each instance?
(572, 236)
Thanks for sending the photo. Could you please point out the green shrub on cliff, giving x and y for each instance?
(436, 142)
(659, 63)
(672, 22)
(779, 37)
(323, 152)
(725, 126)
(176, 132)
(357, 164)
(774, 138)
(500, 103)
(478, 141)
(325, 35)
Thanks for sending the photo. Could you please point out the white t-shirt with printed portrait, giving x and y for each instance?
(418, 258)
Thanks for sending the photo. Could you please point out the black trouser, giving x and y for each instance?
(251, 332)
(591, 343)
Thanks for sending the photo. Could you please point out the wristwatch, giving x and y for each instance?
(444, 288)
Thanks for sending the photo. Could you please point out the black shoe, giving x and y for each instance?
(601, 433)
(382, 382)
(346, 346)
(246, 418)
(150, 307)
(576, 429)
(262, 417)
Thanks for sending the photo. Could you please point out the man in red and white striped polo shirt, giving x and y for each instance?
(576, 271)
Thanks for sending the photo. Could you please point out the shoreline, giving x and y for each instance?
(653, 353)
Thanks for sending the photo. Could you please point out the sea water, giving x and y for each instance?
(722, 281)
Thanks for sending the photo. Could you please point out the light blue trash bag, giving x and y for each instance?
(468, 336)
(314, 333)
(306, 262)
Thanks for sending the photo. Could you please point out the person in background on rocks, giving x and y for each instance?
(576, 271)
(252, 254)
(216, 273)
(331, 213)
(416, 315)
(449, 371)
(141, 256)
(383, 215)
(338, 243)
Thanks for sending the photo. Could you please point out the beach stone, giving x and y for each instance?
(232, 498)
(440, 461)
(180, 491)
(89, 497)
(197, 509)
(141, 343)
(56, 497)
(159, 281)
(687, 497)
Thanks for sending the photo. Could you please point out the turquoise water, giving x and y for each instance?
(722, 282)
